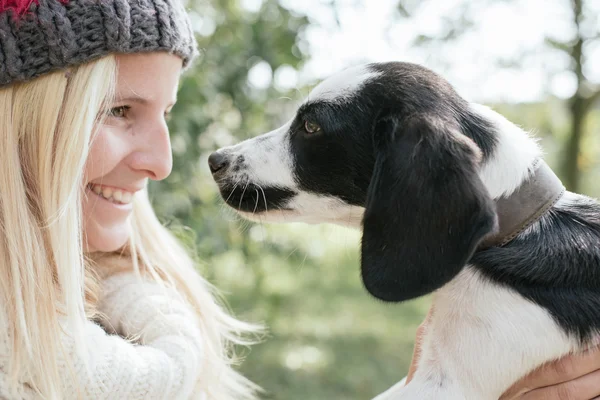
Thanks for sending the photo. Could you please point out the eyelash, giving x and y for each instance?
(124, 109)
(121, 112)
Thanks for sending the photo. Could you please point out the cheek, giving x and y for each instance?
(278, 164)
(106, 151)
(331, 168)
(318, 163)
(104, 228)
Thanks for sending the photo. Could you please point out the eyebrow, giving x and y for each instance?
(132, 99)
(137, 99)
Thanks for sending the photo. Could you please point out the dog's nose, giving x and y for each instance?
(217, 161)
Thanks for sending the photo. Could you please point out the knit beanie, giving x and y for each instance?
(40, 36)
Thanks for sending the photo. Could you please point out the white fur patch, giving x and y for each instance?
(312, 208)
(481, 340)
(343, 84)
(513, 156)
(267, 157)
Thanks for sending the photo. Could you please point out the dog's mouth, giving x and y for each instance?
(249, 197)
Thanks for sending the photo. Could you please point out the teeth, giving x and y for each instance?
(116, 196)
(127, 196)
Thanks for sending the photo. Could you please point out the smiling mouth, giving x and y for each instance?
(112, 195)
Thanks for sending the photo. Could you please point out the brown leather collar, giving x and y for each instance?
(526, 205)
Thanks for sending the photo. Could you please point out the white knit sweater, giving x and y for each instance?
(163, 363)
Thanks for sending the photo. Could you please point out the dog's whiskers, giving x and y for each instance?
(264, 197)
(266, 209)
(256, 204)
(232, 190)
(244, 192)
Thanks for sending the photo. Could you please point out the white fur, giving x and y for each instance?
(311, 208)
(342, 84)
(513, 157)
(268, 158)
(481, 340)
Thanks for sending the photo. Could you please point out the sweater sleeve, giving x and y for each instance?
(163, 363)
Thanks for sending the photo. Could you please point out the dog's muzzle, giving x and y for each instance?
(240, 191)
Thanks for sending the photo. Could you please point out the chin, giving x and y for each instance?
(108, 243)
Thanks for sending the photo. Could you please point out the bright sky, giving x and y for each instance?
(368, 32)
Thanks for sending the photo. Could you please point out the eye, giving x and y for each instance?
(311, 127)
(118, 112)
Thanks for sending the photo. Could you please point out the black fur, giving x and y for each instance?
(410, 88)
(413, 243)
(344, 148)
(338, 160)
(248, 197)
(555, 264)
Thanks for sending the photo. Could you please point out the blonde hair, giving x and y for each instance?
(45, 131)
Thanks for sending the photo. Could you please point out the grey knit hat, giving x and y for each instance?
(40, 36)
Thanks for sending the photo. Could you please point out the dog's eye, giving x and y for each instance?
(311, 127)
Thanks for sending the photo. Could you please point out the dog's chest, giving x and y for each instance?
(477, 322)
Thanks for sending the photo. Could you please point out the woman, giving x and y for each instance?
(84, 89)
(98, 300)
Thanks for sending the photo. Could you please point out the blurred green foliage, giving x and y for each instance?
(328, 339)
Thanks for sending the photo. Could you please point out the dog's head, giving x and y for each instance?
(389, 144)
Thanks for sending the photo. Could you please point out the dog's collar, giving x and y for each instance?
(527, 204)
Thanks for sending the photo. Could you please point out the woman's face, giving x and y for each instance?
(132, 146)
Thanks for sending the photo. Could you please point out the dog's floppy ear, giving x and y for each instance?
(426, 208)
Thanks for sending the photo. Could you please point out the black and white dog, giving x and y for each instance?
(430, 177)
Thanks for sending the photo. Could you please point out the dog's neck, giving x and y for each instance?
(513, 159)
(521, 183)
(526, 205)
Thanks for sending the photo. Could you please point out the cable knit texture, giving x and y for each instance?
(162, 363)
(55, 34)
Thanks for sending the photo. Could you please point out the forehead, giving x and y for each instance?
(342, 84)
(148, 76)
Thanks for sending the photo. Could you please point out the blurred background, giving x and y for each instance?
(535, 61)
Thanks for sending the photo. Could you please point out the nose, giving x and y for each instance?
(153, 155)
(217, 161)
